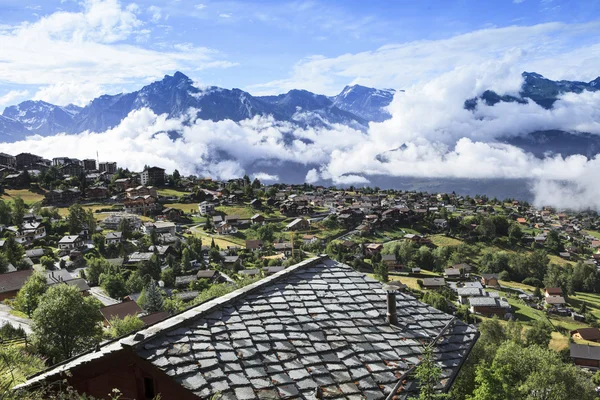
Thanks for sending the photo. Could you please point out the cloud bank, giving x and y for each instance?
(430, 134)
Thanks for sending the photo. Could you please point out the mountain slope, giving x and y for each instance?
(367, 103)
(41, 117)
(176, 95)
(542, 91)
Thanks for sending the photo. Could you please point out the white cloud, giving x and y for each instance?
(200, 6)
(10, 97)
(265, 177)
(312, 176)
(92, 47)
(65, 93)
(518, 1)
(551, 47)
(156, 13)
(225, 15)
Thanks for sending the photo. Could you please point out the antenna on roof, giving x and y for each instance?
(98, 159)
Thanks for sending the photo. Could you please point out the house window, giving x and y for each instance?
(148, 388)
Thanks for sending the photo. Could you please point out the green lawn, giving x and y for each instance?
(444, 241)
(186, 208)
(172, 192)
(595, 234)
(28, 196)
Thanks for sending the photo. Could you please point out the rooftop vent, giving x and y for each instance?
(392, 314)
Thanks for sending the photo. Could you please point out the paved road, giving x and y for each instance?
(7, 318)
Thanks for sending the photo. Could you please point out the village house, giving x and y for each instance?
(123, 184)
(141, 190)
(30, 231)
(453, 273)
(254, 244)
(257, 219)
(434, 283)
(553, 292)
(555, 301)
(70, 242)
(584, 355)
(97, 193)
(310, 239)
(373, 248)
(12, 282)
(113, 238)
(589, 334)
(490, 280)
(489, 306)
(285, 248)
(206, 208)
(120, 311)
(391, 261)
(66, 196)
(299, 224)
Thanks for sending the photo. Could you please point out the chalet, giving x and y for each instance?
(490, 280)
(464, 293)
(12, 282)
(452, 273)
(249, 272)
(120, 311)
(123, 184)
(142, 205)
(463, 267)
(163, 251)
(285, 247)
(113, 238)
(138, 257)
(66, 196)
(211, 275)
(391, 261)
(413, 237)
(434, 283)
(231, 262)
(173, 214)
(373, 248)
(97, 193)
(489, 306)
(557, 301)
(310, 239)
(254, 244)
(225, 228)
(184, 281)
(589, 334)
(522, 221)
(584, 355)
(70, 242)
(299, 224)
(256, 203)
(257, 219)
(30, 231)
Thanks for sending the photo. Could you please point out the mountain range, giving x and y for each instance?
(174, 95)
(354, 106)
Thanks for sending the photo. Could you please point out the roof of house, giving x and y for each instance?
(555, 291)
(11, 281)
(588, 333)
(206, 274)
(452, 272)
(434, 282)
(584, 351)
(254, 244)
(316, 324)
(68, 239)
(254, 271)
(120, 310)
(555, 300)
(489, 276)
(114, 235)
(57, 276)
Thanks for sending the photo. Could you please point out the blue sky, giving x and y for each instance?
(70, 51)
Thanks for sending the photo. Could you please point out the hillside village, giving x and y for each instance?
(148, 245)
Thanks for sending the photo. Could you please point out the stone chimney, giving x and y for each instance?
(392, 314)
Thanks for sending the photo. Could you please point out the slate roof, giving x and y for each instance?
(317, 325)
(11, 281)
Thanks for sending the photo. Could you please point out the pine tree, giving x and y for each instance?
(153, 298)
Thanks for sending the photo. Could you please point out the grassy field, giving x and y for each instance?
(64, 211)
(186, 208)
(221, 241)
(172, 192)
(240, 211)
(595, 234)
(558, 260)
(558, 342)
(444, 241)
(28, 197)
